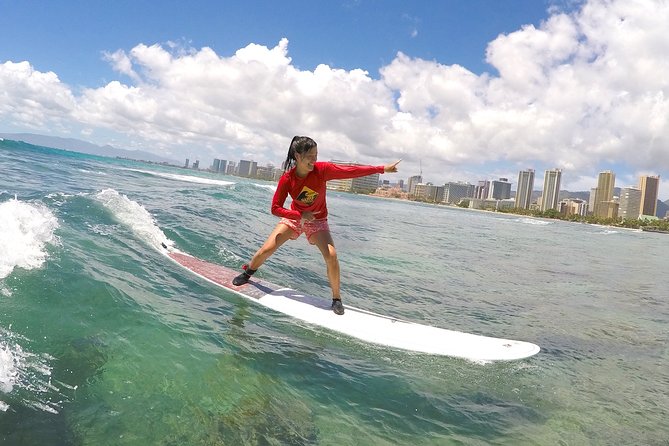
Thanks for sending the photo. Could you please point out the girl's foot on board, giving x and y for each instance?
(244, 277)
(337, 306)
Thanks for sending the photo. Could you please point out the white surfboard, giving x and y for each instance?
(358, 323)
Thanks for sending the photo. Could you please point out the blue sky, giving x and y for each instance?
(471, 90)
(68, 37)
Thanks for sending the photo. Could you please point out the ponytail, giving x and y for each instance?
(299, 144)
(290, 158)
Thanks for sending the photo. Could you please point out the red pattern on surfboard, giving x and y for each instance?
(216, 273)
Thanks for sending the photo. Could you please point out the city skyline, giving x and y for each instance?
(631, 202)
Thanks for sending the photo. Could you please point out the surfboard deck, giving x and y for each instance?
(358, 323)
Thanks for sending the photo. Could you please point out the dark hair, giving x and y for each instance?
(301, 145)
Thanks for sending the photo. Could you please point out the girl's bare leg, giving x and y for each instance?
(280, 235)
(323, 240)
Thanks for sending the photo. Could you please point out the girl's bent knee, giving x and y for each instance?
(331, 256)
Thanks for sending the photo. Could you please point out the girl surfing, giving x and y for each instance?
(304, 179)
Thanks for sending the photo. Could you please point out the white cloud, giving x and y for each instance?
(121, 63)
(31, 98)
(579, 91)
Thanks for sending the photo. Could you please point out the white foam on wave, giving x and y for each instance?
(186, 178)
(23, 371)
(531, 221)
(133, 215)
(96, 172)
(25, 231)
(59, 198)
(271, 187)
(59, 195)
(8, 369)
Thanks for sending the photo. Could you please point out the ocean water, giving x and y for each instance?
(103, 342)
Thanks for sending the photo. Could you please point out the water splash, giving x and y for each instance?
(133, 215)
(26, 374)
(25, 231)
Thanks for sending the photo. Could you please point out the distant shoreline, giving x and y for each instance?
(547, 219)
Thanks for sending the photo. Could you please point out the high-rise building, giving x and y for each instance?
(429, 192)
(604, 193)
(219, 166)
(416, 179)
(591, 202)
(247, 168)
(609, 209)
(630, 202)
(573, 206)
(500, 189)
(525, 187)
(454, 192)
(482, 189)
(551, 192)
(231, 169)
(368, 183)
(265, 172)
(649, 186)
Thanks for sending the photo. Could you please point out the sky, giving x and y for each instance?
(460, 90)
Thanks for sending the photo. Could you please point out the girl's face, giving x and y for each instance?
(305, 161)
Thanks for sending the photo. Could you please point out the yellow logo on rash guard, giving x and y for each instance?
(307, 196)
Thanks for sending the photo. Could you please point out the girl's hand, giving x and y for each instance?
(391, 168)
(309, 216)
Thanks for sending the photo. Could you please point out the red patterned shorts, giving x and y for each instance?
(308, 227)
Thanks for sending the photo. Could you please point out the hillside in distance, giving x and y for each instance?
(77, 145)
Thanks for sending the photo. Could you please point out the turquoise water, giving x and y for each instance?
(103, 342)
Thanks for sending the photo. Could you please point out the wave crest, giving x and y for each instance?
(133, 215)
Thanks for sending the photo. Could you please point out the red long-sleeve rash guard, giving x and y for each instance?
(308, 193)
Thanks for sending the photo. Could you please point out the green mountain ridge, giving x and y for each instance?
(77, 145)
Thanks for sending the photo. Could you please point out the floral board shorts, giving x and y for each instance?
(308, 227)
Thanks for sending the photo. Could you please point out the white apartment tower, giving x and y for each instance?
(549, 198)
(416, 179)
(525, 187)
(630, 202)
